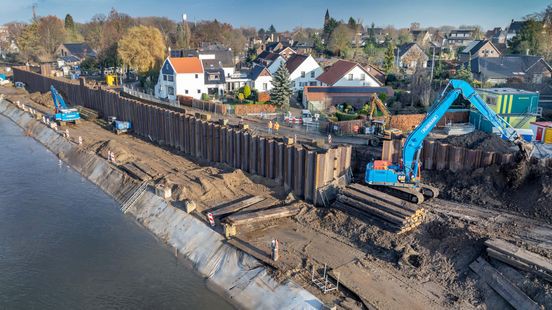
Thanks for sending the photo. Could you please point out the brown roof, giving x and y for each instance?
(336, 71)
(186, 64)
(339, 69)
(295, 61)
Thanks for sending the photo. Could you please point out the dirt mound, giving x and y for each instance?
(122, 155)
(524, 187)
(479, 140)
(43, 99)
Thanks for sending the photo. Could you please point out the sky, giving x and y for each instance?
(288, 14)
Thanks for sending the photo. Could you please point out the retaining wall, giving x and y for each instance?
(441, 156)
(239, 277)
(299, 169)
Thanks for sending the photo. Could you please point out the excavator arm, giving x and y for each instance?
(413, 144)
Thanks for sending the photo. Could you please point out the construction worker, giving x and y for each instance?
(270, 125)
(276, 127)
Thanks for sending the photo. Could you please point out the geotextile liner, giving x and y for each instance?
(240, 277)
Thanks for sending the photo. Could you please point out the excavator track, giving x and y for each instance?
(409, 194)
(394, 213)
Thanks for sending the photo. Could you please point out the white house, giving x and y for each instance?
(272, 61)
(182, 76)
(348, 73)
(260, 77)
(303, 71)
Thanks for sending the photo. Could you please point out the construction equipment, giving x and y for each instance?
(404, 176)
(390, 184)
(377, 129)
(119, 127)
(63, 113)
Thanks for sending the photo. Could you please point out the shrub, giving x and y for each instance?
(246, 91)
(205, 97)
(345, 116)
(241, 97)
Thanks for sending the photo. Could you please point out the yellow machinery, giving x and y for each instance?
(379, 128)
(111, 79)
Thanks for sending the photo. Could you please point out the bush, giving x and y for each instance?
(246, 91)
(241, 97)
(205, 97)
(345, 116)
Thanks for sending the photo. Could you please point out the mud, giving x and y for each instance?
(524, 187)
(43, 99)
(479, 140)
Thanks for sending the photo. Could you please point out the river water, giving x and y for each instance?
(64, 244)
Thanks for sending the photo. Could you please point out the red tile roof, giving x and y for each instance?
(186, 64)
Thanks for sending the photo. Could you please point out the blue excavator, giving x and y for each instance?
(403, 179)
(63, 114)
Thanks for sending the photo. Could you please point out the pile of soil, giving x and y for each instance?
(479, 140)
(43, 99)
(122, 155)
(524, 187)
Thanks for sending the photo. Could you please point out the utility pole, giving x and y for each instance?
(432, 63)
(34, 10)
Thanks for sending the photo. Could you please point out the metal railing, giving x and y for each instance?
(141, 95)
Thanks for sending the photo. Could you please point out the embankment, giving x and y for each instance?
(243, 280)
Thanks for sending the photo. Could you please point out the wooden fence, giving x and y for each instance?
(299, 169)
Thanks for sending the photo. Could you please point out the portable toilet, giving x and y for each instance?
(542, 130)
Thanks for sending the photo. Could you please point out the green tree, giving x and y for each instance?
(69, 22)
(246, 91)
(529, 38)
(183, 35)
(271, 29)
(281, 90)
(142, 48)
(28, 42)
(389, 58)
(465, 73)
(352, 23)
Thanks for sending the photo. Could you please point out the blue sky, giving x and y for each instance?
(286, 14)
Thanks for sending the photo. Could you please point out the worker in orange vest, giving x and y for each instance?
(276, 127)
(270, 125)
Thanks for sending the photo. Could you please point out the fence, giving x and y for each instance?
(147, 97)
(403, 122)
(208, 106)
(300, 169)
(441, 156)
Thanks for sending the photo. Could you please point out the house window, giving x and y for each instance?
(199, 91)
(265, 86)
(312, 74)
(302, 74)
(197, 76)
(186, 91)
(350, 77)
(363, 77)
(165, 77)
(170, 90)
(170, 78)
(312, 83)
(292, 84)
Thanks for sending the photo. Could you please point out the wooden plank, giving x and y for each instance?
(264, 215)
(517, 264)
(255, 252)
(378, 203)
(134, 172)
(511, 293)
(237, 206)
(372, 210)
(520, 254)
(364, 215)
(384, 196)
